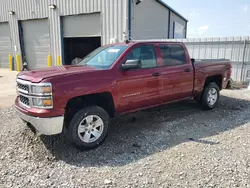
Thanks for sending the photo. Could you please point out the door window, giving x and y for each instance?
(173, 54)
(146, 54)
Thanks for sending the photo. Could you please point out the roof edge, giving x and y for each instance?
(170, 8)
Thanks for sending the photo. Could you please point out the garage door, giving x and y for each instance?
(87, 25)
(5, 45)
(36, 41)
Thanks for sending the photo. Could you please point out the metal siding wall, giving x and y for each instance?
(4, 8)
(114, 15)
(24, 9)
(173, 18)
(150, 20)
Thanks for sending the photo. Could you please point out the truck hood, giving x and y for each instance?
(36, 76)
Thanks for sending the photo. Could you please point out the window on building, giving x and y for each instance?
(146, 54)
(173, 54)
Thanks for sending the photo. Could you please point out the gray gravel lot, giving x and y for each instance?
(175, 146)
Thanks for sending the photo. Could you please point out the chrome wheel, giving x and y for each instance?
(212, 96)
(90, 129)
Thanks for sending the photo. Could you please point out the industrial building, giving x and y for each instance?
(65, 29)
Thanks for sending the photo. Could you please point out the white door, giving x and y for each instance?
(36, 42)
(85, 25)
(5, 45)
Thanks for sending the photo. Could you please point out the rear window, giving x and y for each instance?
(173, 54)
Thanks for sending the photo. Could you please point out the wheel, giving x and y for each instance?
(210, 96)
(88, 127)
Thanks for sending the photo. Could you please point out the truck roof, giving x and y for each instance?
(144, 41)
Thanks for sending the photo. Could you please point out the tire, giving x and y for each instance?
(83, 131)
(210, 96)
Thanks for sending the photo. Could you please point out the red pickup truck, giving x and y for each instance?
(115, 79)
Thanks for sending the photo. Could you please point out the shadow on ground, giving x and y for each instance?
(145, 133)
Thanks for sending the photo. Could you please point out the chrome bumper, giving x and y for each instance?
(45, 126)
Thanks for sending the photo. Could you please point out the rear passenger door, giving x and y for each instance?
(177, 73)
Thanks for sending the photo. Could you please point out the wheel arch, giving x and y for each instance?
(104, 100)
(214, 78)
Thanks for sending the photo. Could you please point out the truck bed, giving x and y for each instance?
(212, 65)
(211, 61)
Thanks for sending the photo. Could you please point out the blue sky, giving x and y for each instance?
(214, 18)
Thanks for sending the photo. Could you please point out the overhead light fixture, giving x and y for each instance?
(138, 2)
(11, 12)
(52, 6)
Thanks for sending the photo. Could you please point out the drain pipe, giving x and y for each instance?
(130, 6)
(243, 60)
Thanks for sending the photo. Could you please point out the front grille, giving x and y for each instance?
(24, 100)
(23, 92)
(26, 96)
(23, 87)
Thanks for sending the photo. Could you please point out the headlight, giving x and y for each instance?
(46, 89)
(42, 96)
(42, 102)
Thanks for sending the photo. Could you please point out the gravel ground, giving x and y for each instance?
(175, 146)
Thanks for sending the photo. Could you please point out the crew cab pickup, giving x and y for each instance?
(79, 100)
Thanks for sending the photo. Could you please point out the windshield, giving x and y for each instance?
(103, 57)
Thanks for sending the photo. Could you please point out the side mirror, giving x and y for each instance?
(192, 60)
(131, 64)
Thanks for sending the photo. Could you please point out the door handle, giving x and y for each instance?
(187, 70)
(156, 74)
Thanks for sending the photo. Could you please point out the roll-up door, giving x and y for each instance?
(5, 45)
(85, 25)
(36, 40)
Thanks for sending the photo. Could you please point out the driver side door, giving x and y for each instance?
(141, 87)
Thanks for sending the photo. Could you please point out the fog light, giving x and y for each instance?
(42, 102)
(37, 102)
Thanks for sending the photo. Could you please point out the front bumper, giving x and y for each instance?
(44, 126)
